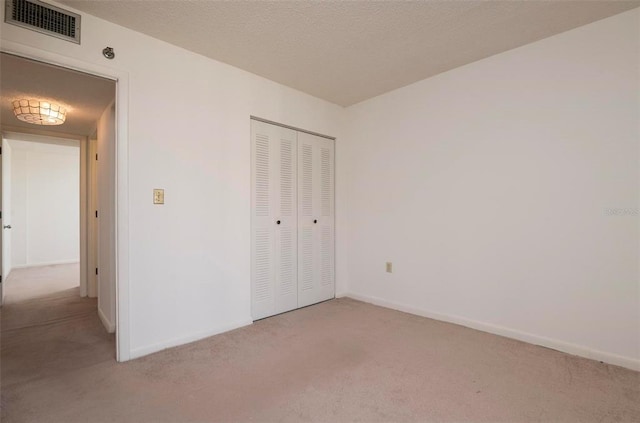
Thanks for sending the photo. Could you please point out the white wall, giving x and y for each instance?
(488, 187)
(189, 258)
(44, 203)
(106, 218)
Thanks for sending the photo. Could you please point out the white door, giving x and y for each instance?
(274, 223)
(315, 219)
(2, 278)
(5, 207)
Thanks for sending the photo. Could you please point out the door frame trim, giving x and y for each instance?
(259, 119)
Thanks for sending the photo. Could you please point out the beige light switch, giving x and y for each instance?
(158, 196)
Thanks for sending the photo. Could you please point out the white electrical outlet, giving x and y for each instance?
(389, 267)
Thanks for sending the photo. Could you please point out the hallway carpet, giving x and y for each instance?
(34, 282)
(339, 361)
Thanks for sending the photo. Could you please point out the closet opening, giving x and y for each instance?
(292, 218)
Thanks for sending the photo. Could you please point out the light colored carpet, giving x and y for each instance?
(34, 282)
(339, 361)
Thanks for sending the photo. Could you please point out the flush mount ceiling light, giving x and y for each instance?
(39, 112)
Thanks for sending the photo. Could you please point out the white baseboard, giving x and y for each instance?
(567, 347)
(111, 327)
(149, 349)
(49, 263)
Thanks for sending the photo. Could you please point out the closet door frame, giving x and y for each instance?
(271, 307)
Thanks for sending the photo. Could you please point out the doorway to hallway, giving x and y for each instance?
(54, 242)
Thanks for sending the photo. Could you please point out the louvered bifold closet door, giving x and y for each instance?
(274, 220)
(315, 219)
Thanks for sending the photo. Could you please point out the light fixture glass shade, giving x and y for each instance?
(39, 112)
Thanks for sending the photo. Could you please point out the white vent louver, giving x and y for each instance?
(44, 18)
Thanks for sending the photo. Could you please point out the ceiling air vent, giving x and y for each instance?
(44, 18)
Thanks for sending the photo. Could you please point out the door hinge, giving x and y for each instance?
(96, 156)
(96, 270)
(96, 213)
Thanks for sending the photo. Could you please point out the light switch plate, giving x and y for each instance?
(158, 196)
(389, 267)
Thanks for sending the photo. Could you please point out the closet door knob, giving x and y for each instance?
(315, 220)
(278, 222)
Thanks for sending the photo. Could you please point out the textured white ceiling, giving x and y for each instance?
(85, 96)
(346, 52)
